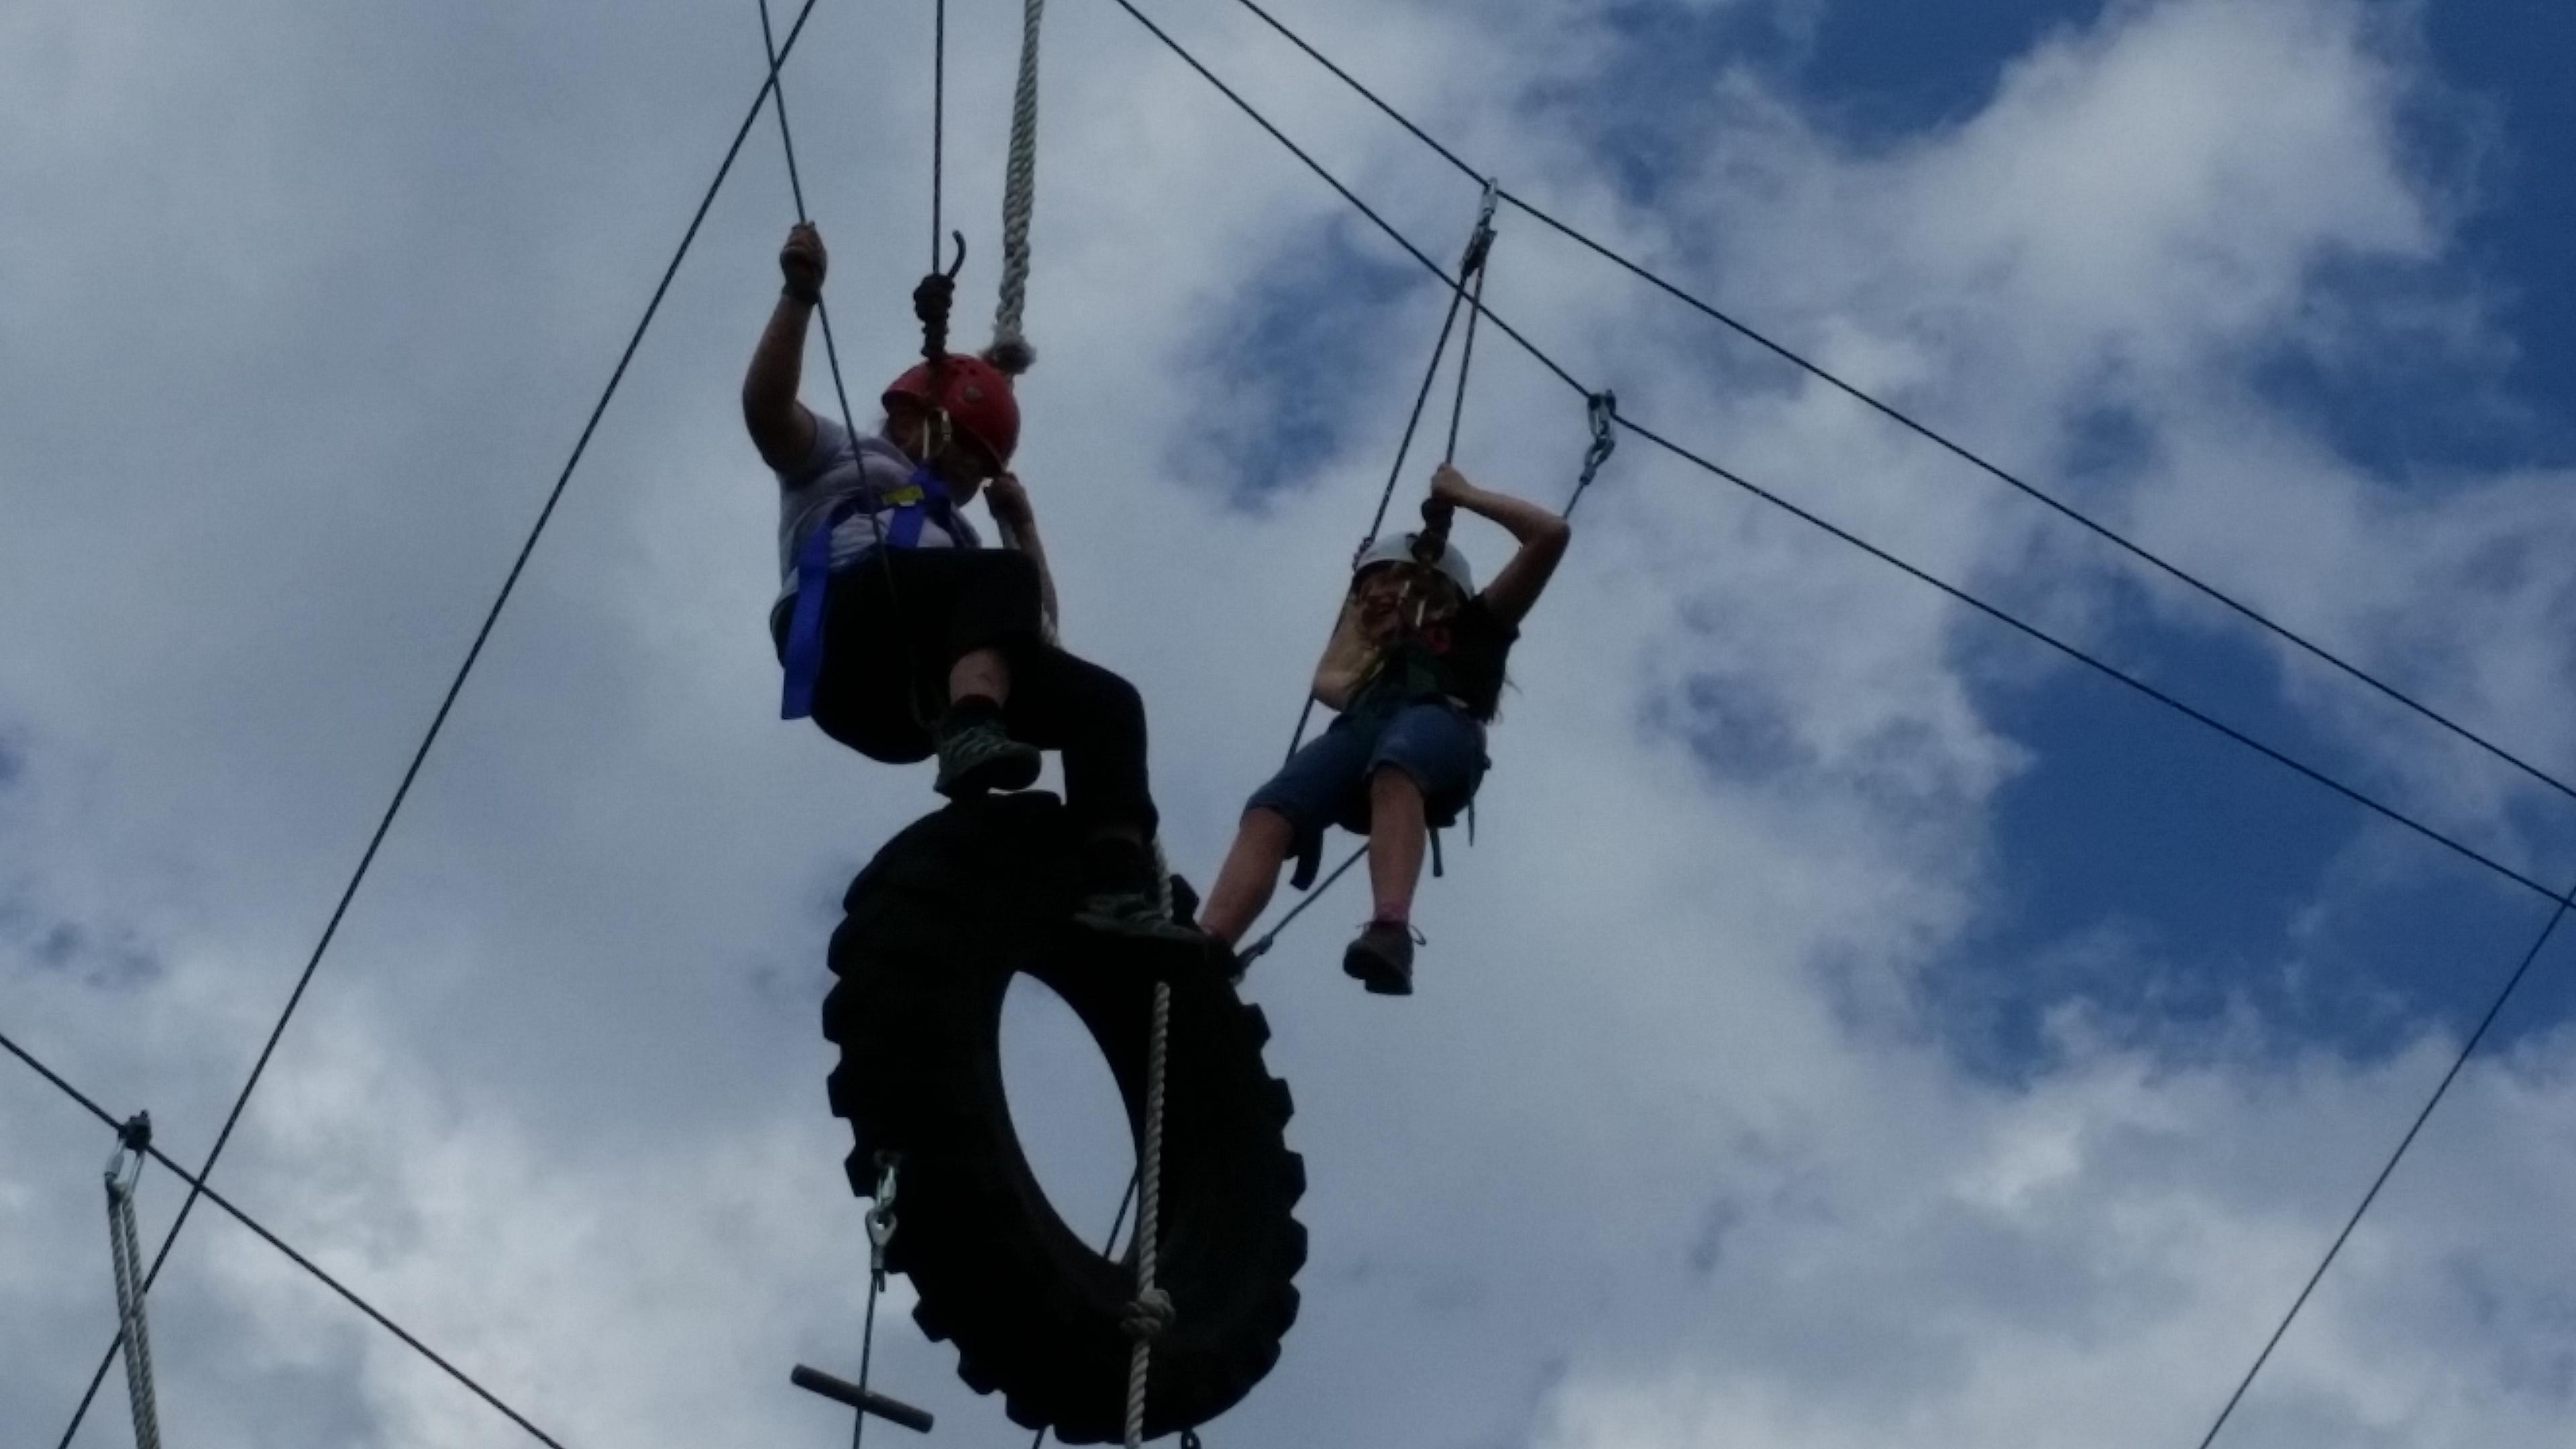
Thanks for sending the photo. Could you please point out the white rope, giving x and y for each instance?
(1152, 1311)
(128, 1255)
(1011, 351)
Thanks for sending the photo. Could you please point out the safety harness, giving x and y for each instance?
(921, 499)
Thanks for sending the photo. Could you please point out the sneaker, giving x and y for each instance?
(1382, 958)
(1136, 917)
(979, 756)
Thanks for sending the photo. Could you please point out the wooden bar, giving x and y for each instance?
(866, 1401)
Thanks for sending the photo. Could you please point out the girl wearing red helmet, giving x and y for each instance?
(1415, 672)
(903, 636)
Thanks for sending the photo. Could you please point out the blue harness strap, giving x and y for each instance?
(922, 499)
(803, 659)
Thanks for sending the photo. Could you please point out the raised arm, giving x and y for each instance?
(1346, 662)
(1008, 498)
(780, 426)
(1542, 537)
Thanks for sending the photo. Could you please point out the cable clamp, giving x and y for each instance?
(1481, 241)
(881, 1218)
(1601, 410)
(133, 1148)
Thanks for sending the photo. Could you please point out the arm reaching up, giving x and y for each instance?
(1543, 536)
(1008, 498)
(780, 426)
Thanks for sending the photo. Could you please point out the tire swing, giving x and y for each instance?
(936, 926)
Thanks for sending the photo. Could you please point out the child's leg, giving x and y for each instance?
(980, 674)
(1397, 831)
(1097, 720)
(989, 615)
(1250, 873)
(1426, 767)
(1060, 702)
(1318, 786)
(966, 611)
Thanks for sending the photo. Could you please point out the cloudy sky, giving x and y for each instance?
(1854, 1024)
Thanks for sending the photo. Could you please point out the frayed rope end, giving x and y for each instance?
(1012, 354)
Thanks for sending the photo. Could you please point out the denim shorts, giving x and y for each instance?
(1326, 783)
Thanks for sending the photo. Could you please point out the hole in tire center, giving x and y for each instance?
(1066, 1111)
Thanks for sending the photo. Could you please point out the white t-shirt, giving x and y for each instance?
(834, 470)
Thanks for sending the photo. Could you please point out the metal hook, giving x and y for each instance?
(133, 1147)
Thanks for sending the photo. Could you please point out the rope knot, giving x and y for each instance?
(1150, 1315)
(930, 302)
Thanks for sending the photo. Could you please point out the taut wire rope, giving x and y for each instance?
(1924, 430)
(225, 1205)
(446, 706)
(2561, 899)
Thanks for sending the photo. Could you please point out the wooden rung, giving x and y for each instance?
(866, 1401)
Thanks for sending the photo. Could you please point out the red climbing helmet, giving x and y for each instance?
(974, 393)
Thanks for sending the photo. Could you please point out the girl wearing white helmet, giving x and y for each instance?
(1415, 673)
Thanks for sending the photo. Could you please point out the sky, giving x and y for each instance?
(1854, 1022)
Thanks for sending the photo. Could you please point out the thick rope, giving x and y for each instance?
(938, 119)
(1151, 1313)
(124, 1171)
(1011, 351)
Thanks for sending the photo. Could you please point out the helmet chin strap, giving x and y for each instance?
(937, 433)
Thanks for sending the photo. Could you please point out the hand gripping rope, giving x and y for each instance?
(124, 1170)
(1438, 515)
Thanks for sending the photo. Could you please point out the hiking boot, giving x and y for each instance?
(1138, 916)
(977, 755)
(1122, 897)
(1381, 959)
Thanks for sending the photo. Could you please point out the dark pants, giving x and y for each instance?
(886, 659)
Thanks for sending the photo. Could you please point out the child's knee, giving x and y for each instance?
(1391, 780)
(1265, 822)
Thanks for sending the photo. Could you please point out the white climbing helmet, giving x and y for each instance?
(1398, 548)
